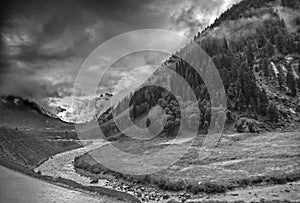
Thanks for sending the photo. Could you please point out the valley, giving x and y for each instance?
(254, 47)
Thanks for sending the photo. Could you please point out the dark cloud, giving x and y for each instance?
(44, 42)
(129, 13)
(4, 15)
(28, 87)
(39, 35)
(35, 54)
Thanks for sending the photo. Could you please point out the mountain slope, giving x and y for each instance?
(29, 134)
(255, 45)
(27, 149)
(17, 112)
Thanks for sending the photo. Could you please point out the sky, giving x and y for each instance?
(44, 43)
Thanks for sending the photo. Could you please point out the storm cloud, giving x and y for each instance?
(43, 43)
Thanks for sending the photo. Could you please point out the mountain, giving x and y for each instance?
(29, 134)
(17, 112)
(255, 45)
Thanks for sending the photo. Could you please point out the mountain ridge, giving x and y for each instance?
(18, 112)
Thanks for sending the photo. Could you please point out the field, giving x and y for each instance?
(238, 162)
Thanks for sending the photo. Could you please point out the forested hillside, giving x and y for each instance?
(255, 45)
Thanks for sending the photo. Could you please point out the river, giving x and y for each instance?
(61, 165)
(16, 187)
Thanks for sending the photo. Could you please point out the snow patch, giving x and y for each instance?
(274, 68)
(292, 111)
(295, 72)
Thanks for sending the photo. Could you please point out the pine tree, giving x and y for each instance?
(265, 67)
(217, 62)
(290, 81)
(279, 40)
(261, 41)
(269, 49)
(273, 113)
(290, 44)
(197, 80)
(240, 101)
(250, 55)
(133, 112)
(225, 74)
(225, 43)
(264, 102)
(280, 78)
(248, 82)
(191, 80)
(271, 31)
(234, 68)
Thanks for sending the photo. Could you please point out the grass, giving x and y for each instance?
(176, 185)
(264, 201)
(31, 148)
(239, 161)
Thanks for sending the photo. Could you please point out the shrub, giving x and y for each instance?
(240, 126)
(96, 169)
(193, 188)
(161, 183)
(273, 113)
(246, 125)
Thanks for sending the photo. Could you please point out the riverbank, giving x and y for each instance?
(69, 184)
(61, 169)
(17, 187)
